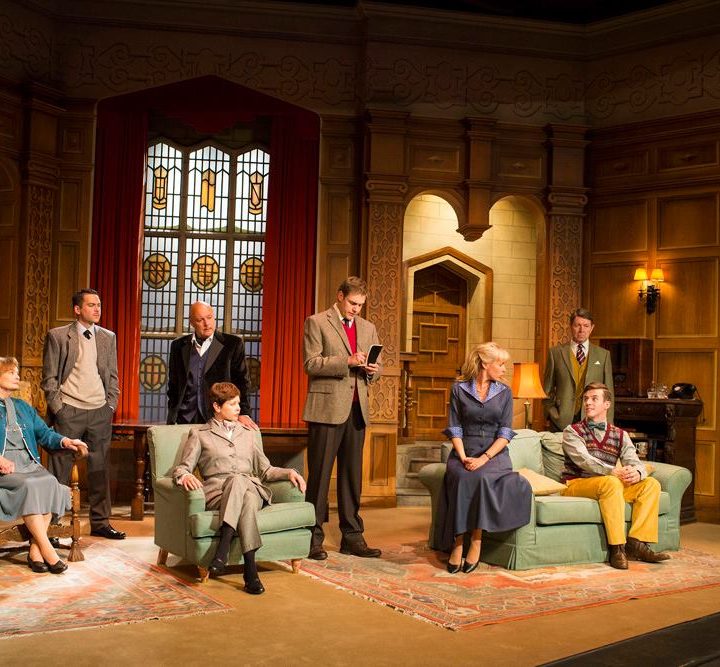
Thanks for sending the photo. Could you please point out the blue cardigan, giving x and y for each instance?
(35, 431)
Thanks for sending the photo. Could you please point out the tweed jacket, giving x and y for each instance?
(225, 363)
(61, 353)
(331, 385)
(218, 457)
(559, 382)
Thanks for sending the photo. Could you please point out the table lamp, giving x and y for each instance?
(526, 384)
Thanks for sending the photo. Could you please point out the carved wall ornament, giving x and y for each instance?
(37, 272)
(384, 400)
(565, 263)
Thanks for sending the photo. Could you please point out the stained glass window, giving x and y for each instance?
(205, 216)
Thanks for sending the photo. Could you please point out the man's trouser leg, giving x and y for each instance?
(609, 492)
(645, 499)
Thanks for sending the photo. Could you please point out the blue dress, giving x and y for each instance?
(492, 497)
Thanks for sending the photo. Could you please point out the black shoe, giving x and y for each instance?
(360, 549)
(254, 587)
(108, 532)
(468, 567)
(38, 566)
(217, 568)
(317, 552)
(58, 568)
(454, 568)
(55, 542)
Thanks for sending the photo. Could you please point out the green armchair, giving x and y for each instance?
(185, 528)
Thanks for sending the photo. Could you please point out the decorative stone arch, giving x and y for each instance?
(478, 276)
(452, 196)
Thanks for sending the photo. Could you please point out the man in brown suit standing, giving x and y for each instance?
(335, 347)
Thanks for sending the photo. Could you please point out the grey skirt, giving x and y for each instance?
(33, 492)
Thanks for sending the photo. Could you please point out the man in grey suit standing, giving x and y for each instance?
(570, 368)
(335, 346)
(80, 381)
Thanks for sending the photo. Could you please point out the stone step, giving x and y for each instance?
(412, 498)
(416, 465)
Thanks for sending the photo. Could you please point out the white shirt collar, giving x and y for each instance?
(205, 345)
(81, 328)
(342, 317)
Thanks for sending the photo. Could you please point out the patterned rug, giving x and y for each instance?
(107, 588)
(412, 579)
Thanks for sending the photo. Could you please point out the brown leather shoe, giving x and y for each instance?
(637, 550)
(618, 559)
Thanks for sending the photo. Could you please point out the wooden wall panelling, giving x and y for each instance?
(697, 366)
(698, 155)
(338, 211)
(690, 221)
(613, 301)
(73, 222)
(705, 472)
(9, 251)
(688, 305)
(619, 227)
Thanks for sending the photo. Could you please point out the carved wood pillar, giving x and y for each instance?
(566, 199)
(386, 187)
(39, 168)
(480, 134)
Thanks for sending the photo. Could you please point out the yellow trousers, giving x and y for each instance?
(612, 495)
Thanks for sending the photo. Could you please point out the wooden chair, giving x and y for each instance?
(15, 531)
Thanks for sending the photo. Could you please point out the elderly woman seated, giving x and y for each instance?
(27, 490)
(234, 471)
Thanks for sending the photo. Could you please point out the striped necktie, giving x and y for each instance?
(580, 354)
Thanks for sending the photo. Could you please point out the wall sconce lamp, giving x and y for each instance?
(649, 291)
(526, 384)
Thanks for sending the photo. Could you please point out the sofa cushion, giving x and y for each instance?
(525, 451)
(541, 485)
(552, 454)
(271, 519)
(552, 510)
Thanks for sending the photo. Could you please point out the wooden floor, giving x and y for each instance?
(303, 622)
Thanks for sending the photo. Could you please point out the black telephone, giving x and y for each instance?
(683, 390)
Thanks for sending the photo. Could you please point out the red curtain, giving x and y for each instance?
(210, 105)
(289, 267)
(121, 142)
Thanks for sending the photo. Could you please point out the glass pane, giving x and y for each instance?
(248, 287)
(253, 177)
(207, 207)
(154, 354)
(162, 187)
(159, 284)
(205, 261)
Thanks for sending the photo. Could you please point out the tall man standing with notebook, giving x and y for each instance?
(80, 381)
(569, 368)
(335, 345)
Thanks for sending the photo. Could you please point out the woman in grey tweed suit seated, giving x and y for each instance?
(234, 471)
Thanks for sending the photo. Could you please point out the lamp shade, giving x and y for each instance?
(640, 274)
(526, 381)
(657, 275)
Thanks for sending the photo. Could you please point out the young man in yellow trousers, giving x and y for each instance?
(601, 463)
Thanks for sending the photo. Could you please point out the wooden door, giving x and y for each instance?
(438, 338)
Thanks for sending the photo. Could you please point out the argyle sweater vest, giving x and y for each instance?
(606, 450)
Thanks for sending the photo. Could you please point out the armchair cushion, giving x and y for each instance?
(272, 519)
(554, 510)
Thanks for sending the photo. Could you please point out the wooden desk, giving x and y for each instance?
(671, 423)
(137, 431)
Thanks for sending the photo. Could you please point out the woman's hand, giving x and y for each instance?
(475, 462)
(75, 445)
(297, 479)
(7, 467)
(190, 482)
(247, 422)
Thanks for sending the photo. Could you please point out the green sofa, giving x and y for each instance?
(561, 530)
(185, 528)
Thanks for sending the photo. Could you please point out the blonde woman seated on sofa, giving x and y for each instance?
(27, 489)
(234, 471)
